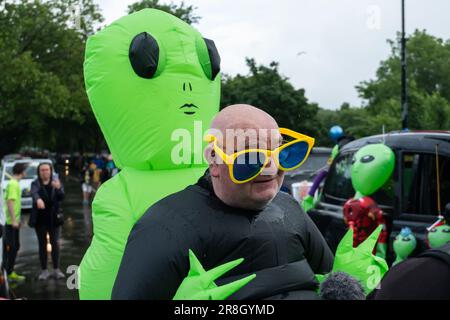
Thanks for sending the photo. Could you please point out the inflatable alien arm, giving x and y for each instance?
(112, 225)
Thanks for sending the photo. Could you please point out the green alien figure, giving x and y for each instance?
(154, 86)
(439, 236)
(404, 245)
(371, 169)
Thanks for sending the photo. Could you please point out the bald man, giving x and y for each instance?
(221, 219)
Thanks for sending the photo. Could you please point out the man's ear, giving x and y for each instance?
(211, 159)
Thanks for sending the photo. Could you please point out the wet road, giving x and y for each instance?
(74, 240)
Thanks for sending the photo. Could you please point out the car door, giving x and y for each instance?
(419, 185)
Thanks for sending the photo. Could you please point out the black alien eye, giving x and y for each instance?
(353, 160)
(144, 55)
(367, 159)
(211, 62)
(406, 239)
(214, 57)
(446, 231)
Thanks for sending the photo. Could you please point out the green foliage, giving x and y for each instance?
(43, 101)
(182, 11)
(42, 96)
(266, 88)
(428, 73)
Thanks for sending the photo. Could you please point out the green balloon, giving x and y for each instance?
(439, 236)
(372, 167)
(153, 104)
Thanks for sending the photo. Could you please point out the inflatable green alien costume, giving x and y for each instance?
(152, 80)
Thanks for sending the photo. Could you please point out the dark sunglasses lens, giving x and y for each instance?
(293, 155)
(248, 165)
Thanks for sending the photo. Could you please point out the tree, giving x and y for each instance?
(428, 84)
(266, 88)
(182, 11)
(42, 96)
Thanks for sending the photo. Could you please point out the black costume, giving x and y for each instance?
(280, 244)
(421, 278)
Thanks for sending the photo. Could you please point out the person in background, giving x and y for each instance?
(47, 193)
(12, 208)
(86, 181)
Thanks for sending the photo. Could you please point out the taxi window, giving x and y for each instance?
(420, 183)
(338, 186)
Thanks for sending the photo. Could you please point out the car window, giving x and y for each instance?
(419, 183)
(314, 163)
(338, 183)
(338, 186)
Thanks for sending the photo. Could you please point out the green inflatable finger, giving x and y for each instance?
(154, 85)
(199, 284)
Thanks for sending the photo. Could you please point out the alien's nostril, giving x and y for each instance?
(190, 86)
(184, 86)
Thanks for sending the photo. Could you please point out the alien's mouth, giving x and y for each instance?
(189, 109)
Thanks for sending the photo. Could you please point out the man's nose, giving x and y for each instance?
(271, 168)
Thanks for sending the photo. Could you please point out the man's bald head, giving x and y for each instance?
(243, 116)
(236, 128)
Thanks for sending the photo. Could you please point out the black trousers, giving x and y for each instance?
(11, 245)
(53, 232)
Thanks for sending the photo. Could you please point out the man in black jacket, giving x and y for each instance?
(426, 277)
(221, 220)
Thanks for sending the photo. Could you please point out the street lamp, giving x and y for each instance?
(404, 100)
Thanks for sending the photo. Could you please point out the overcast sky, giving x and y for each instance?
(324, 46)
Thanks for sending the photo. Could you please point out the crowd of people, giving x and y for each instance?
(46, 217)
(47, 194)
(94, 173)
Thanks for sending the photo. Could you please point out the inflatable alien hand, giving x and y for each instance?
(199, 284)
(359, 262)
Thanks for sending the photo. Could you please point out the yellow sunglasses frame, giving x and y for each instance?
(230, 158)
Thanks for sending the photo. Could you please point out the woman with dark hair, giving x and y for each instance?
(47, 192)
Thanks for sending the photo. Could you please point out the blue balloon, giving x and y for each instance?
(336, 132)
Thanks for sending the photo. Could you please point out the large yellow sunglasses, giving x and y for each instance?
(247, 164)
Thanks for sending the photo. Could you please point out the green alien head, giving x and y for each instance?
(151, 79)
(439, 236)
(372, 167)
(404, 244)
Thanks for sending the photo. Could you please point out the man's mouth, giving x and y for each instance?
(189, 109)
(264, 180)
